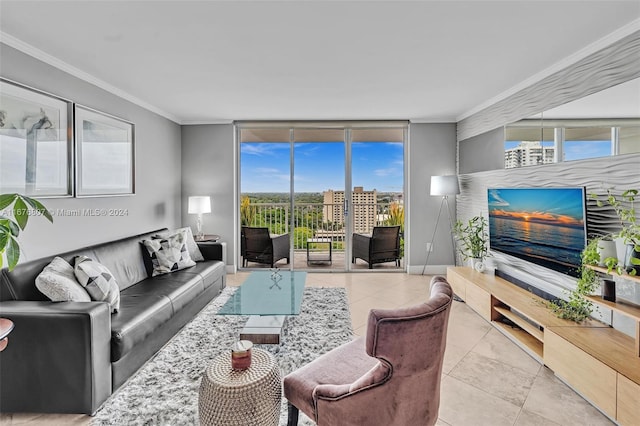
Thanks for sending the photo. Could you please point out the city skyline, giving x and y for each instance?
(320, 166)
(574, 150)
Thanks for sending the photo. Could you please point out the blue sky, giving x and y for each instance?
(576, 150)
(320, 166)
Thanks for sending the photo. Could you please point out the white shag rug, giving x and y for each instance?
(165, 390)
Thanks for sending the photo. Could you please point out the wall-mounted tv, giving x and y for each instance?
(546, 226)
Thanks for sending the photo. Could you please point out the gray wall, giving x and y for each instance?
(432, 151)
(209, 168)
(482, 152)
(156, 203)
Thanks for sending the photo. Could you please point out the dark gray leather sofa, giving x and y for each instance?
(68, 357)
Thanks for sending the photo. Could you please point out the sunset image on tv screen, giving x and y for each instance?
(542, 225)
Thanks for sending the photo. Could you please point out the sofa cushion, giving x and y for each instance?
(168, 254)
(210, 272)
(142, 311)
(98, 281)
(148, 305)
(192, 246)
(180, 287)
(58, 282)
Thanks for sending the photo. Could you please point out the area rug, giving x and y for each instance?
(165, 390)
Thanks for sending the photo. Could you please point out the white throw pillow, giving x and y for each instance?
(168, 254)
(192, 246)
(58, 282)
(98, 281)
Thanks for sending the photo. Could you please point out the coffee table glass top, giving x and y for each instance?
(266, 293)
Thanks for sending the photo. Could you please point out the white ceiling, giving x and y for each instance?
(212, 61)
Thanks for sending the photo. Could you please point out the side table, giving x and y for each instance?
(250, 397)
(311, 258)
(6, 325)
(206, 238)
(215, 248)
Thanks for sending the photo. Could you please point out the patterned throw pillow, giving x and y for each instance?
(168, 254)
(192, 246)
(98, 281)
(58, 282)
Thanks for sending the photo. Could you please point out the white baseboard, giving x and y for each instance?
(429, 270)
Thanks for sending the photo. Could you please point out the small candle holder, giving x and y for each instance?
(241, 355)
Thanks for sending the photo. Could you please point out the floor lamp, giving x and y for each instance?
(443, 186)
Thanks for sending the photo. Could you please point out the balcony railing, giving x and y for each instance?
(317, 220)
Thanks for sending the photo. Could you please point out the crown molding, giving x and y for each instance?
(36, 53)
(435, 120)
(204, 122)
(592, 48)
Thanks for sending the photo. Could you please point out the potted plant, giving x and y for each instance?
(21, 208)
(577, 308)
(472, 238)
(623, 205)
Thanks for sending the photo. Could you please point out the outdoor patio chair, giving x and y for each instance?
(261, 247)
(383, 245)
(389, 377)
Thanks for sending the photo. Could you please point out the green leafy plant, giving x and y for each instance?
(577, 308)
(472, 237)
(247, 211)
(20, 208)
(590, 255)
(396, 217)
(623, 205)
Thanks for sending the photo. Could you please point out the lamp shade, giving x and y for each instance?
(199, 204)
(445, 185)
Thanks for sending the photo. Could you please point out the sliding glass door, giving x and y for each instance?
(318, 202)
(377, 176)
(320, 184)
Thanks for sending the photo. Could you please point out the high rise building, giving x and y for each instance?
(363, 208)
(528, 153)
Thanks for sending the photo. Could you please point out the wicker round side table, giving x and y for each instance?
(243, 398)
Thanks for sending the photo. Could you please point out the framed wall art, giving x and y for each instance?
(105, 154)
(35, 142)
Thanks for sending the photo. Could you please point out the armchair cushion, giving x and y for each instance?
(329, 376)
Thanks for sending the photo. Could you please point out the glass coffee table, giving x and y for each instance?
(268, 298)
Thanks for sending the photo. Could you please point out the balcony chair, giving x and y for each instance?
(257, 245)
(382, 246)
(389, 377)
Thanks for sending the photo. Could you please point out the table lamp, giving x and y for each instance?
(199, 205)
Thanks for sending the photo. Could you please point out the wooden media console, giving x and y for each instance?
(598, 361)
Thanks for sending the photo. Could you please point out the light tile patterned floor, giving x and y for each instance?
(487, 379)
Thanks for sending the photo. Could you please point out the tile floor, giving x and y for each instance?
(487, 379)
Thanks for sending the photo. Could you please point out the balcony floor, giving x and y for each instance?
(337, 263)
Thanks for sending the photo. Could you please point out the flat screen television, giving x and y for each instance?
(545, 226)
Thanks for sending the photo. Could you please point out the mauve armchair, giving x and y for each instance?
(390, 377)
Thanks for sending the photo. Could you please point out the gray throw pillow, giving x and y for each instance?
(192, 246)
(98, 281)
(168, 254)
(58, 282)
